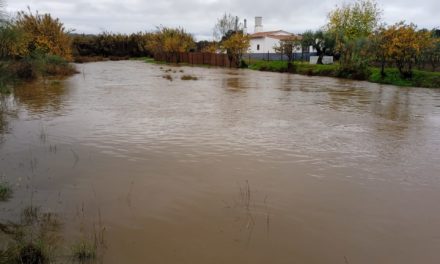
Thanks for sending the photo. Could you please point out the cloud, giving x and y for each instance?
(199, 16)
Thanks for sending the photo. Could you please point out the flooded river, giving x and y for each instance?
(236, 167)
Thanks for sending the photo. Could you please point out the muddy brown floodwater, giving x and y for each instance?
(237, 167)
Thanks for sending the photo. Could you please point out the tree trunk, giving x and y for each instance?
(382, 68)
(320, 57)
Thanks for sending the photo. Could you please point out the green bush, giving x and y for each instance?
(361, 72)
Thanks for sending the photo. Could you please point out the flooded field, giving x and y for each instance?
(236, 167)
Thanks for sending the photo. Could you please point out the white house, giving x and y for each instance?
(265, 41)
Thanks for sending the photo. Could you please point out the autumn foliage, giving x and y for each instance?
(44, 34)
(403, 44)
(361, 41)
(171, 41)
(32, 46)
(235, 46)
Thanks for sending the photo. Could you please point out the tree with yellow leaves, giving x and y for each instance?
(235, 46)
(379, 47)
(211, 47)
(351, 25)
(431, 54)
(13, 42)
(404, 45)
(353, 21)
(45, 34)
(171, 41)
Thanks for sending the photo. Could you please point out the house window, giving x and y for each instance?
(258, 47)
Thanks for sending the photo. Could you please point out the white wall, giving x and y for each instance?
(254, 43)
(267, 45)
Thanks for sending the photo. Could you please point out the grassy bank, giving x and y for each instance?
(420, 78)
(153, 61)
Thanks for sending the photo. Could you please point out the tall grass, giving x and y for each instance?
(32, 240)
(84, 251)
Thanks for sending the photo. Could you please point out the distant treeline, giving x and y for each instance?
(111, 45)
(120, 46)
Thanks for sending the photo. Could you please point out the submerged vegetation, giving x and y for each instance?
(168, 77)
(5, 191)
(33, 239)
(84, 251)
(36, 239)
(189, 78)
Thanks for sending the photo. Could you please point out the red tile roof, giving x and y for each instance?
(284, 37)
(274, 35)
(265, 34)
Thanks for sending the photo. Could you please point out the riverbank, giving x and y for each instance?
(32, 68)
(86, 59)
(423, 79)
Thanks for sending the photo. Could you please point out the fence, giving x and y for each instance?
(222, 60)
(278, 57)
(200, 58)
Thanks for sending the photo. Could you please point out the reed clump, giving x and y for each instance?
(168, 77)
(84, 251)
(189, 78)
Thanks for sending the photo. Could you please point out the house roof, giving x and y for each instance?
(266, 33)
(278, 34)
(284, 37)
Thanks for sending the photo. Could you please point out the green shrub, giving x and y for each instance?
(361, 72)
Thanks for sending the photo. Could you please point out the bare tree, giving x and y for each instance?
(226, 25)
(2, 12)
(287, 47)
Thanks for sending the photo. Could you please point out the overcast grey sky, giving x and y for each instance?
(199, 16)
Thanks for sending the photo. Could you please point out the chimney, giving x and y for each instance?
(245, 27)
(258, 24)
(236, 23)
